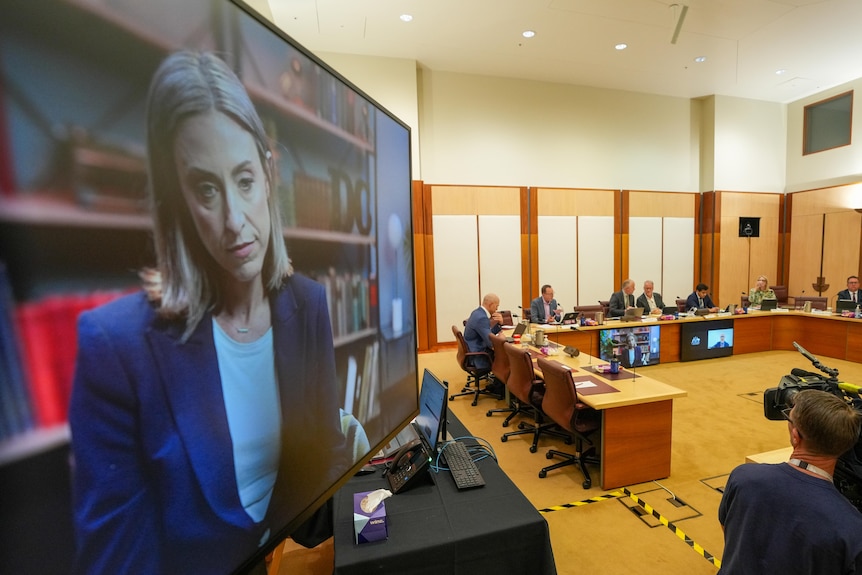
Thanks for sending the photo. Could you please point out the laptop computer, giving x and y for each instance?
(768, 304)
(633, 314)
(430, 425)
(669, 310)
(519, 330)
(702, 311)
(570, 318)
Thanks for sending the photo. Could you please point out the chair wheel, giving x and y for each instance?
(543, 474)
(521, 425)
(488, 414)
(567, 440)
(587, 484)
(451, 398)
(505, 423)
(504, 439)
(474, 403)
(533, 449)
(549, 455)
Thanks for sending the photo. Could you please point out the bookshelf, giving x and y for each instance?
(86, 239)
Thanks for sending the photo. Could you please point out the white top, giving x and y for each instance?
(253, 414)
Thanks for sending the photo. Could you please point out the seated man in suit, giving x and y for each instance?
(852, 291)
(622, 300)
(483, 321)
(544, 309)
(699, 299)
(720, 343)
(649, 300)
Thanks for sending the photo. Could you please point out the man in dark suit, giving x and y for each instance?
(484, 320)
(543, 309)
(852, 291)
(699, 299)
(622, 300)
(650, 300)
(720, 343)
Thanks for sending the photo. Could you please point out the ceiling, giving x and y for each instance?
(817, 42)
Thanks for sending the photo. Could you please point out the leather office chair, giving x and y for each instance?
(680, 305)
(501, 369)
(528, 391)
(527, 313)
(817, 302)
(507, 317)
(561, 404)
(780, 295)
(589, 311)
(475, 375)
(744, 301)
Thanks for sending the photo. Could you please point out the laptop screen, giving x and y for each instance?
(432, 408)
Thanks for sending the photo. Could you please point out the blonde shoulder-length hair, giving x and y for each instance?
(187, 84)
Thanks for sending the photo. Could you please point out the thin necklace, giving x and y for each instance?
(812, 468)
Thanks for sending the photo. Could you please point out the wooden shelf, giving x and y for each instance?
(60, 210)
(33, 442)
(353, 336)
(328, 236)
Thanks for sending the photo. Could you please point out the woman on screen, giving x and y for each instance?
(206, 420)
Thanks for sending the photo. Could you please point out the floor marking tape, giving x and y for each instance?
(612, 495)
(700, 550)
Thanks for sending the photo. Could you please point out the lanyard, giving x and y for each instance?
(813, 468)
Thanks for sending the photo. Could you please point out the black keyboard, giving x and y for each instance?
(461, 465)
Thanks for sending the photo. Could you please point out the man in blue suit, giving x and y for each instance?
(699, 299)
(543, 309)
(484, 320)
(852, 291)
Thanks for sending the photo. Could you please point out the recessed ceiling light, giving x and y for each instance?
(406, 17)
(621, 46)
(780, 72)
(700, 59)
(528, 33)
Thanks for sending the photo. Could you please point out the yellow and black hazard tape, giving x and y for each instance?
(690, 542)
(649, 509)
(596, 499)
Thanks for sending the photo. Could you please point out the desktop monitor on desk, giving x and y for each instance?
(843, 305)
(706, 339)
(633, 346)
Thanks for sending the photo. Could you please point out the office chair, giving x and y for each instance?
(527, 314)
(561, 404)
(589, 311)
(606, 307)
(475, 375)
(680, 305)
(744, 301)
(780, 294)
(501, 369)
(508, 319)
(528, 391)
(817, 302)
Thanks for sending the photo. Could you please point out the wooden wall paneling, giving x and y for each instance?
(784, 229)
(709, 238)
(662, 204)
(827, 200)
(595, 259)
(820, 336)
(841, 249)
(646, 250)
(456, 271)
(575, 202)
(423, 258)
(529, 245)
(558, 257)
(621, 245)
(670, 342)
(806, 244)
(698, 242)
(500, 259)
(678, 257)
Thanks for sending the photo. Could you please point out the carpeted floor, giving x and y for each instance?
(714, 428)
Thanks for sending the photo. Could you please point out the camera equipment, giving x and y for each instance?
(848, 469)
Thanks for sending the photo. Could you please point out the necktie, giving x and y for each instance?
(853, 296)
(700, 302)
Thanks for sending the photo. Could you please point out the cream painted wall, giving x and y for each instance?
(750, 139)
(485, 130)
(830, 167)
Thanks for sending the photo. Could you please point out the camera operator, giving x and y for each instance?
(789, 517)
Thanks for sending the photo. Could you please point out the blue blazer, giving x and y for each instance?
(154, 482)
(537, 310)
(691, 302)
(476, 335)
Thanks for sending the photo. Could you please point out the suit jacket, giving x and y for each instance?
(154, 480)
(692, 303)
(476, 335)
(537, 310)
(845, 294)
(619, 302)
(642, 302)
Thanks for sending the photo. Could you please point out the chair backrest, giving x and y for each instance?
(560, 393)
(527, 313)
(817, 302)
(461, 353)
(500, 366)
(744, 301)
(521, 374)
(589, 311)
(780, 294)
(680, 305)
(606, 306)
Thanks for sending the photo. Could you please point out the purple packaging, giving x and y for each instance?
(368, 527)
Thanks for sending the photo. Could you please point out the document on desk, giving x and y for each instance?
(585, 383)
(589, 385)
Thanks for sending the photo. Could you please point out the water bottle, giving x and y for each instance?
(858, 314)
(615, 364)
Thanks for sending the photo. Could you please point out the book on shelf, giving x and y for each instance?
(348, 296)
(16, 410)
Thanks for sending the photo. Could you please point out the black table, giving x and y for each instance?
(435, 528)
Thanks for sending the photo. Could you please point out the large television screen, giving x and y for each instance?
(633, 346)
(207, 285)
(706, 339)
